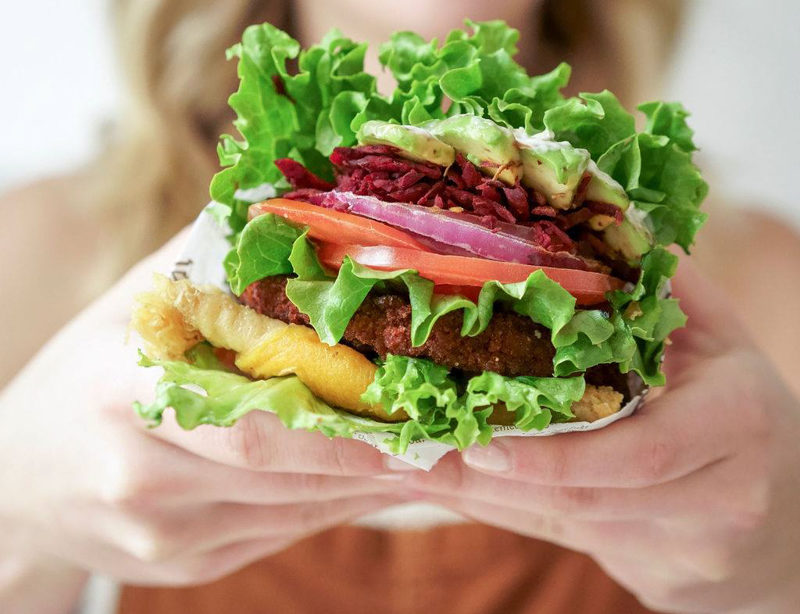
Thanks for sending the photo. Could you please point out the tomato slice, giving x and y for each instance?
(336, 226)
(589, 288)
(470, 292)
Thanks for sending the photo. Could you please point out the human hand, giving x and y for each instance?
(83, 480)
(691, 503)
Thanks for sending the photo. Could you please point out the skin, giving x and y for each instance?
(691, 503)
(92, 489)
(28, 212)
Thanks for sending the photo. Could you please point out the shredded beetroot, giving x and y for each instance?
(576, 217)
(379, 171)
(580, 193)
(518, 202)
(605, 209)
(380, 158)
(558, 237)
(544, 211)
(302, 194)
(469, 172)
(489, 190)
(540, 199)
(300, 177)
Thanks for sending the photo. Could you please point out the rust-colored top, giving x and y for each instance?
(464, 569)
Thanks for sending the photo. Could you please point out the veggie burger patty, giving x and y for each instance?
(512, 345)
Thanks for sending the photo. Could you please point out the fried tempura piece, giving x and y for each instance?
(597, 402)
(176, 315)
(161, 325)
(337, 374)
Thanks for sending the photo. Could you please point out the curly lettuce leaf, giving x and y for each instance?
(655, 166)
(632, 335)
(650, 315)
(593, 337)
(669, 119)
(331, 302)
(533, 400)
(593, 122)
(474, 72)
(429, 395)
(204, 393)
(660, 177)
(305, 114)
(415, 386)
(301, 114)
(262, 250)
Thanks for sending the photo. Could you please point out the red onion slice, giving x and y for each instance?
(451, 229)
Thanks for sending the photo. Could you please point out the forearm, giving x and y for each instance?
(43, 587)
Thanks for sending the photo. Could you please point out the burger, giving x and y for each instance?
(474, 249)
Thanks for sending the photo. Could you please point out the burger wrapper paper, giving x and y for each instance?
(200, 261)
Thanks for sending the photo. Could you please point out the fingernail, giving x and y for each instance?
(395, 464)
(494, 458)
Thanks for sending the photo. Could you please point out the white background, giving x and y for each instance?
(57, 85)
(737, 71)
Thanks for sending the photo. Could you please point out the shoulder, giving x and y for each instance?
(49, 247)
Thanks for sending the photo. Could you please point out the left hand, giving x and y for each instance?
(692, 503)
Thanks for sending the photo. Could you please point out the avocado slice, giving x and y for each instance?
(414, 143)
(552, 168)
(603, 189)
(633, 237)
(488, 146)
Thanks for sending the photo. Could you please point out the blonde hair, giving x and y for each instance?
(161, 153)
(153, 178)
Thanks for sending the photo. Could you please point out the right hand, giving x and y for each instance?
(82, 480)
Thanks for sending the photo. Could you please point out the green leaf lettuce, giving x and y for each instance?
(631, 336)
(204, 393)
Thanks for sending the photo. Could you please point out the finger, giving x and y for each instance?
(197, 480)
(261, 488)
(583, 536)
(149, 472)
(683, 498)
(687, 428)
(260, 442)
(223, 524)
